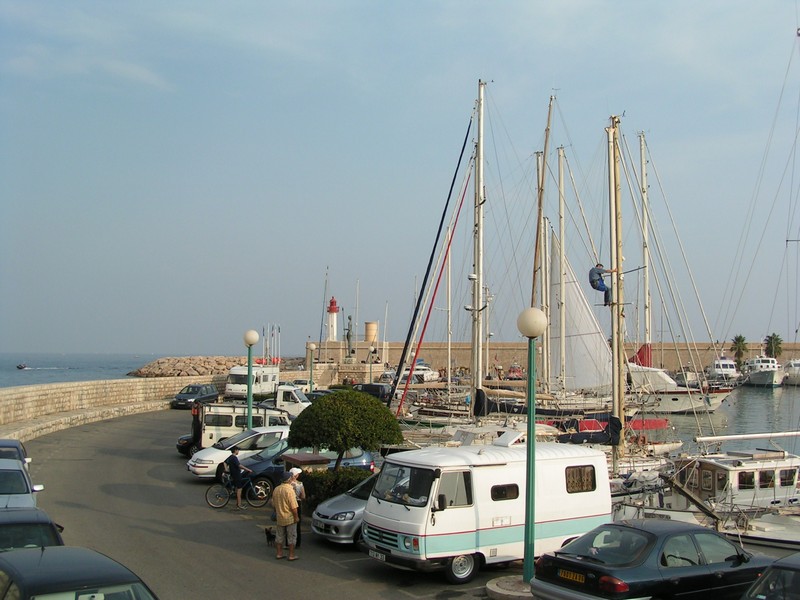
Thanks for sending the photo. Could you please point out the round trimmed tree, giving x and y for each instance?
(343, 420)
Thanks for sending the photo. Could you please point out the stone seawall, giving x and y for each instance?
(29, 411)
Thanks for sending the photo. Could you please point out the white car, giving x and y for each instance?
(208, 462)
(16, 488)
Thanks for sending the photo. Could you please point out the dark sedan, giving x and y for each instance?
(647, 558)
(780, 582)
(195, 393)
(67, 572)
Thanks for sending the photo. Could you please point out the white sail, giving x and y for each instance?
(588, 356)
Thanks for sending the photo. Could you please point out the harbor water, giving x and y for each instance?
(61, 368)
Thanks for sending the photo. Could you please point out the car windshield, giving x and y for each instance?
(611, 545)
(126, 590)
(234, 439)
(272, 451)
(778, 582)
(362, 490)
(13, 482)
(190, 389)
(10, 453)
(27, 535)
(410, 486)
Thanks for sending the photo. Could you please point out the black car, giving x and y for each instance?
(204, 393)
(647, 558)
(67, 572)
(381, 391)
(28, 528)
(781, 581)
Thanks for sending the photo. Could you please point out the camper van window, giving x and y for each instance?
(747, 480)
(787, 477)
(581, 479)
(457, 488)
(707, 482)
(509, 491)
(399, 484)
(237, 379)
(272, 421)
(766, 479)
(218, 420)
(241, 421)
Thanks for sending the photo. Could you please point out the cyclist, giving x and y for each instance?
(235, 468)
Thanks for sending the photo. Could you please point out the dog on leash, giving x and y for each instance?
(269, 532)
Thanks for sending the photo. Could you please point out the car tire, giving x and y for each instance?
(193, 449)
(264, 485)
(462, 569)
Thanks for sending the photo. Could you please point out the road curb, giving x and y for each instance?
(508, 588)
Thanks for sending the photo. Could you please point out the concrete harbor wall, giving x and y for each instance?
(29, 411)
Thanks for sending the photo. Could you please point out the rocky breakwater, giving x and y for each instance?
(189, 366)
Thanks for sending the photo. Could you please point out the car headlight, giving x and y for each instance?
(203, 461)
(183, 442)
(344, 516)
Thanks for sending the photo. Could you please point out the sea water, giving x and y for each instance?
(60, 368)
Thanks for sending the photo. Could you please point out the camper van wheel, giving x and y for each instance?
(462, 569)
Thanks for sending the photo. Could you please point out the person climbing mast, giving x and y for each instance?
(596, 281)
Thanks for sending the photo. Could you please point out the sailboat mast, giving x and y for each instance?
(562, 277)
(477, 279)
(645, 241)
(617, 301)
(537, 261)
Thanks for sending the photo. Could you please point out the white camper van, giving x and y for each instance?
(220, 421)
(459, 508)
(265, 380)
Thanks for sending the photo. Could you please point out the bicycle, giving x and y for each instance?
(219, 494)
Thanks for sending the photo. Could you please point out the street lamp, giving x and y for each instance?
(250, 340)
(311, 348)
(371, 360)
(531, 323)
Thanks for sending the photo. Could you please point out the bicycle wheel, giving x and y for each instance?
(256, 496)
(217, 495)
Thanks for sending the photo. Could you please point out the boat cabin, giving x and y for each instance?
(763, 478)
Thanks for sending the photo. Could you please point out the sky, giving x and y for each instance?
(174, 174)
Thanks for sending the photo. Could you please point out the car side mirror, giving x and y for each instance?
(441, 503)
(38, 487)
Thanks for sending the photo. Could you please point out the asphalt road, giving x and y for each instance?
(120, 487)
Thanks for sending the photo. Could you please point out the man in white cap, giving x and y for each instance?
(300, 492)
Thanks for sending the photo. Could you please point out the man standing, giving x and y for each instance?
(300, 492)
(235, 469)
(596, 281)
(284, 501)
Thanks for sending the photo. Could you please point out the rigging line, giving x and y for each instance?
(441, 270)
(733, 305)
(593, 249)
(404, 353)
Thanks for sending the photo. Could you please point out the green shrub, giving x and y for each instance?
(321, 485)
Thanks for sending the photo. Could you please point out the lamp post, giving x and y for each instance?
(531, 323)
(250, 340)
(370, 358)
(311, 348)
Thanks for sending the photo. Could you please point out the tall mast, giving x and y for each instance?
(562, 277)
(645, 238)
(537, 261)
(617, 298)
(477, 274)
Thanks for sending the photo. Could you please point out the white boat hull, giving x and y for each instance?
(765, 378)
(682, 401)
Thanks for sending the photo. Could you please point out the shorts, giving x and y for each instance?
(286, 533)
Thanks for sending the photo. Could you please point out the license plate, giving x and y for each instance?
(571, 576)
(318, 524)
(377, 555)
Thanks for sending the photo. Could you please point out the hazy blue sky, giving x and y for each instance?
(175, 173)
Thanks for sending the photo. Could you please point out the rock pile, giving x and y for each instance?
(188, 366)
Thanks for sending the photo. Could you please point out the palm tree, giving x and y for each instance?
(773, 345)
(739, 349)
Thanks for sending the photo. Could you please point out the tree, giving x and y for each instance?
(343, 420)
(739, 348)
(772, 345)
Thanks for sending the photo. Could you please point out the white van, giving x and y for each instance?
(220, 421)
(459, 508)
(265, 380)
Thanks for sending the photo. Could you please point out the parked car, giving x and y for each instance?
(195, 393)
(28, 528)
(68, 572)
(312, 396)
(781, 581)
(16, 488)
(14, 449)
(381, 391)
(208, 462)
(339, 519)
(647, 558)
(269, 464)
